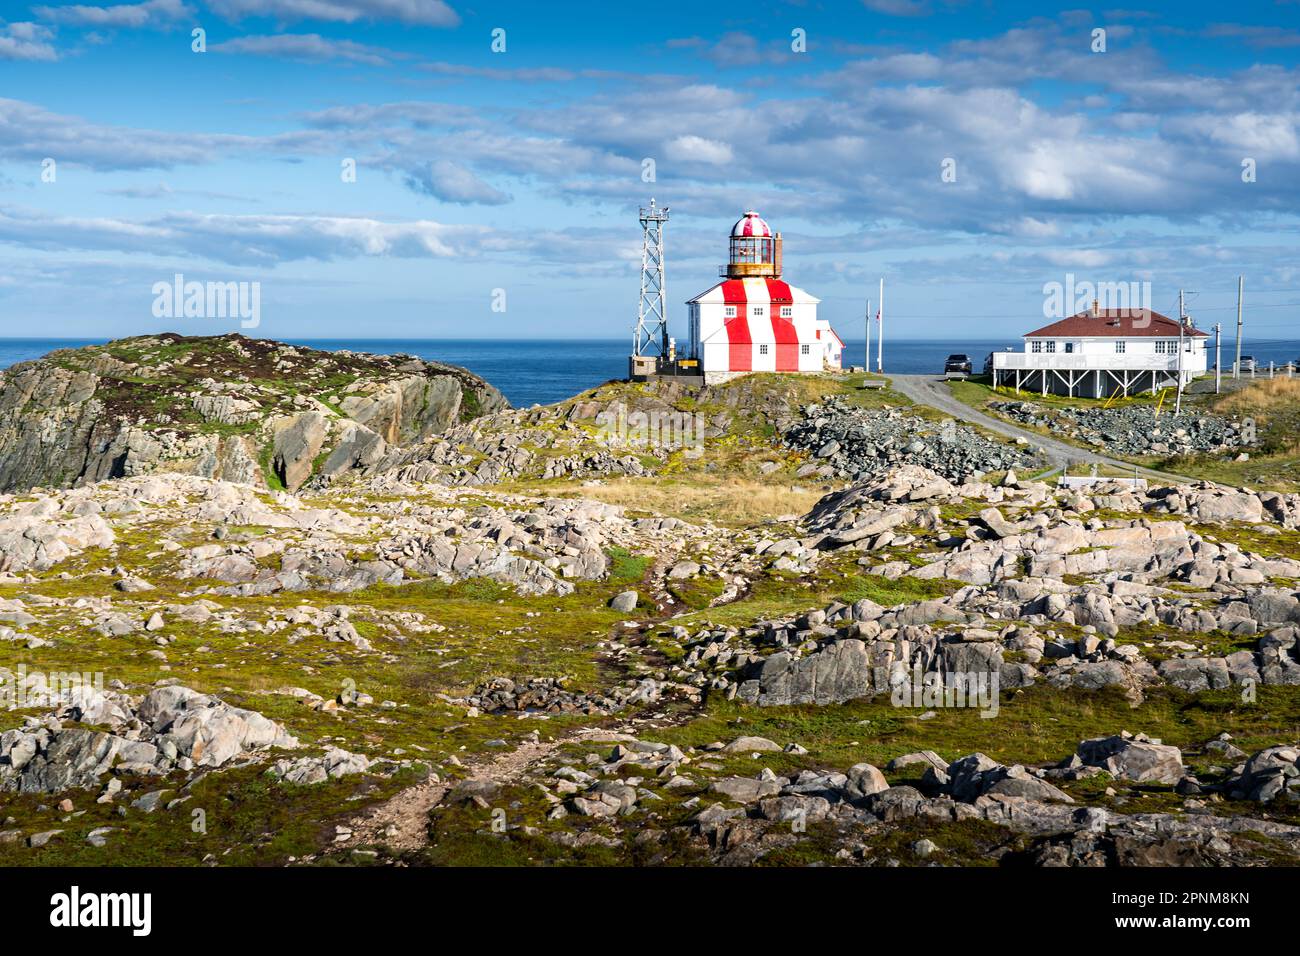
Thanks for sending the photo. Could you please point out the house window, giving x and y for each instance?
(787, 311)
(805, 350)
(759, 310)
(1051, 346)
(1036, 346)
(729, 312)
(1166, 347)
(1119, 346)
(762, 350)
(1069, 346)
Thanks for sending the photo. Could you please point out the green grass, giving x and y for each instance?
(250, 820)
(978, 392)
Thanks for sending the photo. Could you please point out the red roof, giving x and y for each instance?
(733, 292)
(1112, 323)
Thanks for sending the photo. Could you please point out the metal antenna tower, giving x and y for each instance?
(650, 337)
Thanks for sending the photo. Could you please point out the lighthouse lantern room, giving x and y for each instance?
(753, 320)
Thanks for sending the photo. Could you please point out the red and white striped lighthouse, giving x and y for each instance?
(753, 320)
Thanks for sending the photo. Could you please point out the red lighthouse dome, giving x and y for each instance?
(751, 224)
(755, 250)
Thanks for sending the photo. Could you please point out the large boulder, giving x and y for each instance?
(298, 441)
(206, 729)
(1135, 758)
(1270, 774)
(841, 671)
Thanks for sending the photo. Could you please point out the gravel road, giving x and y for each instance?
(933, 391)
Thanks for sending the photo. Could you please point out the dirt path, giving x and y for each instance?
(933, 391)
(401, 823)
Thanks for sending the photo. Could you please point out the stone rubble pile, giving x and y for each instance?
(855, 443)
(1132, 429)
(548, 695)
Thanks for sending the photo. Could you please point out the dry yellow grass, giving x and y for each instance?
(733, 501)
(1262, 399)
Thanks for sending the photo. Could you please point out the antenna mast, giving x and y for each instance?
(650, 337)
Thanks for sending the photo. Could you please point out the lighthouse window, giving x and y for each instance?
(786, 311)
(759, 310)
(1119, 345)
(762, 350)
(805, 350)
(729, 312)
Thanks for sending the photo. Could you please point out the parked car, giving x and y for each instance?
(957, 364)
(1248, 363)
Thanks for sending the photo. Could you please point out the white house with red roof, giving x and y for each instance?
(1102, 352)
(754, 321)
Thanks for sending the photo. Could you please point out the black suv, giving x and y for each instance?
(957, 363)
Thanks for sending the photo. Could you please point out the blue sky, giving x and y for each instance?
(522, 170)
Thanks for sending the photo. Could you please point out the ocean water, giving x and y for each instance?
(544, 371)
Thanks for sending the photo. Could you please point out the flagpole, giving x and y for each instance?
(880, 329)
(867, 364)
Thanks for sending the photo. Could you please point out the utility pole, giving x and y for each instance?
(1182, 320)
(880, 332)
(1236, 366)
(1218, 371)
(866, 365)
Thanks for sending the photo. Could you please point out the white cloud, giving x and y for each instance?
(697, 149)
(1043, 172)
(898, 8)
(246, 240)
(432, 13)
(306, 46)
(1254, 134)
(452, 182)
(29, 132)
(146, 14)
(26, 41)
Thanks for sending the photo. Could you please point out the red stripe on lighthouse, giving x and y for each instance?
(779, 292)
(740, 351)
(740, 344)
(733, 292)
(787, 345)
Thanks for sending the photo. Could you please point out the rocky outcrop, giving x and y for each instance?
(245, 410)
(297, 442)
(171, 728)
(738, 818)
(1271, 774)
